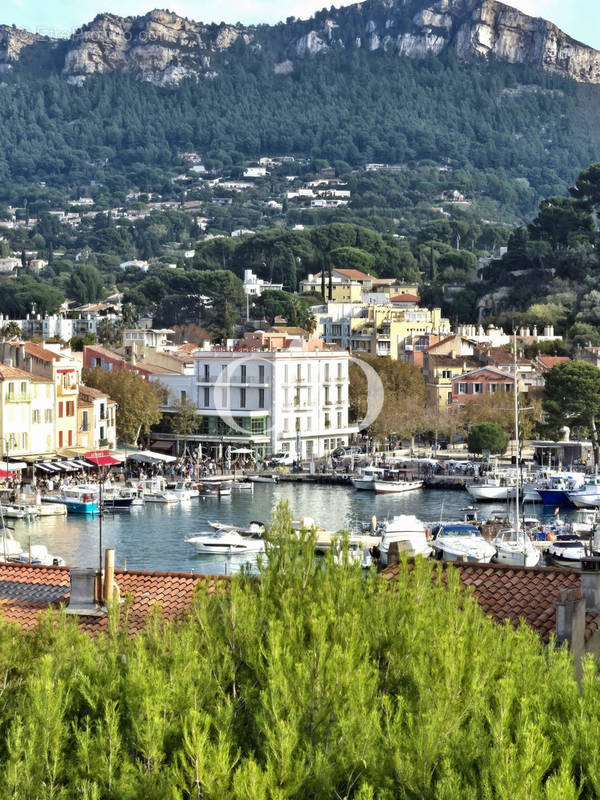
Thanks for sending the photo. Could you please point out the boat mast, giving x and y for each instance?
(516, 394)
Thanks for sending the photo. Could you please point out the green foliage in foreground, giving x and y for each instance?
(310, 683)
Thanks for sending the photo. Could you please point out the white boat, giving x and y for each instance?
(11, 551)
(496, 487)
(244, 486)
(183, 489)
(262, 478)
(19, 511)
(228, 542)
(588, 495)
(408, 532)
(117, 498)
(459, 541)
(365, 480)
(154, 490)
(585, 522)
(353, 553)
(253, 528)
(568, 550)
(516, 548)
(390, 486)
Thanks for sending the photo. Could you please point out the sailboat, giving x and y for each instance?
(514, 546)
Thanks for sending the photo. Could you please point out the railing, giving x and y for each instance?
(19, 397)
(103, 443)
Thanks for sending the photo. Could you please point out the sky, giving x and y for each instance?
(578, 18)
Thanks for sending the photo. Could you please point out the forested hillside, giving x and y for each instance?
(515, 134)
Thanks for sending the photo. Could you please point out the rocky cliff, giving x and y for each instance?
(164, 48)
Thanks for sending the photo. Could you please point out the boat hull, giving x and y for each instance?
(118, 503)
(554, 497)
(396, 487)
(491, 493)
(363, 485)
(529, 558)
(75, 506)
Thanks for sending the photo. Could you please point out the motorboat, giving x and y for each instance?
(353, 553)
(228, 542)
(500, 486)
(408, 532)
(118, 498)
(252, 528)
(585, 522)
(19, 511)
(183, 489)
(516, 548)
(556, 491)
(460, 541)
(154, 490)
(568, 550)
(11, 552)
(77, 499)
(588, 495)
(243, 486)
(214, 489)
(365, 480)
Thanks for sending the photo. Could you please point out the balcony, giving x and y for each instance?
(66, 391)
(19, 397)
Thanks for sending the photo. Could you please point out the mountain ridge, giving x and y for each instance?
(164, 49)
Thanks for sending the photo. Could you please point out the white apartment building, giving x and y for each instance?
(289, 400)
(26, 413)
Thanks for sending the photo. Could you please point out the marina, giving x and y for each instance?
(153, 536)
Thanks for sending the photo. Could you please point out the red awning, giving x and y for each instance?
(103, 461)
(4, 474)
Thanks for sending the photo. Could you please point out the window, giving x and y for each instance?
(297, 423)
(60, 438)
(92, 362)
(60, 410)
(70, 437)
(339, 394)
(36, 416)
(243, 373)
(242, 398)
(285, 373)
(449, 400)
(11, 388)
(326, 395)
(206, 397)
(339, 370)
(206, 373)
(309, 396)
(299, 372)
(24, 441)
(85, 421)
(286, 424)
(446, 373)
(309, 448)
(492, 387)
(326, 372)
(48, 415)
(477, 388)
(183, 396)
(462, 388)
(308, 423)
(339, 419)
(23, 387)
(327, 421)
(71, 409)
(261, 398)
(309, 373)
(102, 411)
(261, 373)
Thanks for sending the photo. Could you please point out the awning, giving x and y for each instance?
(4, 474)
(46, 466)
(103, 461)
(153, 455)
(81, 463)
(163, 445)
(8, 465)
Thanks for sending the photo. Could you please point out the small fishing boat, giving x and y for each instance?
(516, 548)
(243, 486)
(568, 550)
(365, 480)
(118, 498)
(407, 532)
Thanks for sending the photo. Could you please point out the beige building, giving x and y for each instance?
(96, 419)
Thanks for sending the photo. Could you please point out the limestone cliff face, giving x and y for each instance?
(159, 47)
(12, 41)
(164, 48)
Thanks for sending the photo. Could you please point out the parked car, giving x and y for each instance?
(283, 459)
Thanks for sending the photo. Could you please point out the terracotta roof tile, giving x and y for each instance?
(516, 593)
(27, 589)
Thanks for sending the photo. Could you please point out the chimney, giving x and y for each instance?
(85, 595)
(570, 622)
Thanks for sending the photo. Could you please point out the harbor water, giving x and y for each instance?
(152, 537)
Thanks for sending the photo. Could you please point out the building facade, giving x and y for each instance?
(285, 401)
(26, 413)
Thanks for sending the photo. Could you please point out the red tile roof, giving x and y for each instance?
(405, 298)
(551, 361)
(37, 351)
(14, 373)
(27, 589)
(518, 593)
